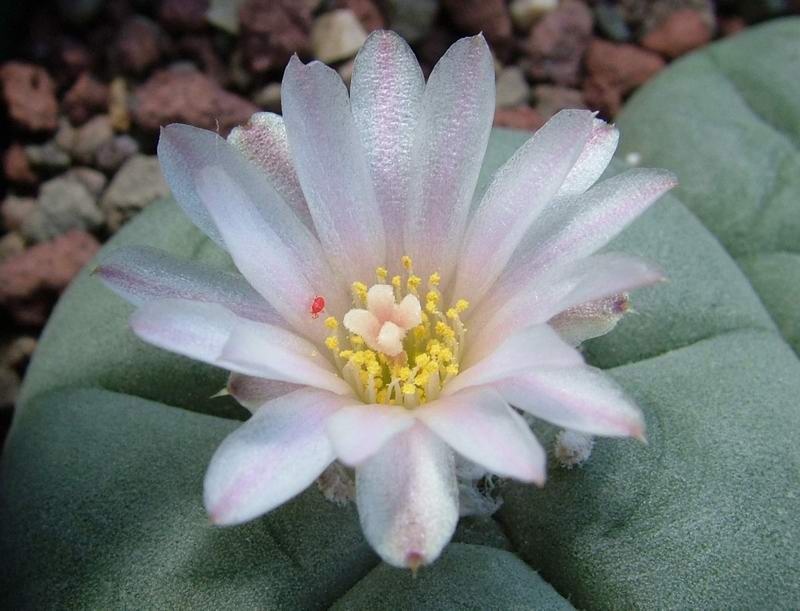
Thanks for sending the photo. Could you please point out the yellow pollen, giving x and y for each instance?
(346, 354)
(331, 323)
(356, 340)
(462, 305)
(381, 273)
(434, 279)
(413, 283)
(407, 262)
(452, 314)
(397, 282)
(409, 389)
(331, 342)
(359, 292)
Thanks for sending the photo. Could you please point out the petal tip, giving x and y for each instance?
(414, 560)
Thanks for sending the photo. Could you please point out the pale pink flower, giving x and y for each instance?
(439, 315)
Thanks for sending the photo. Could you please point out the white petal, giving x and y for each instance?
(542, 297)
(357, 432)
(582, 399)
(532, 347)
(408, 498)
(263, 141)
(380, 301)
(140, 274)
(390, 339)
(274, 353)
(191, 328)
(272, 457)
(593, 161)
(408, 313)
(363, 323)
(581, 225)
(252, 392)
(450, 142)
(278, 255)
(386, 94)
(332, 168)
(519, 191)
(478, 424)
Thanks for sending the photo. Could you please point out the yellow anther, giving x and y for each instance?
(432, 366)
(373, 368)
(422, 360)
(381, 273)
(359, 291)
(462, 305)
(413, 282)
(346, 354)
(407, 262)
(331, 322)
(424, 317)
(445, 331)
(356, 340)
(396, 281)
(381, 396)
(419, 332)
(331, 342)
(430, 306)
(434, 279)
(432, 296)
(445, 355)
(452, 369)
(359, 358)
(409, 389)
(422, 379)
(404, 373)
(452, 314)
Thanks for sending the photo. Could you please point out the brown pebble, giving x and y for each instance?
(683, 31)
(30, 96)
(521, 117)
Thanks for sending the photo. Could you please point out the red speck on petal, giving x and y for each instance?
(317, 306)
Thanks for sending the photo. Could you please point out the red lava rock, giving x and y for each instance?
(139, 44)
(367, 12)
(551, 98)
(614, 70)
(32, 280)
(16, 166)
(488, 16)
(85, 98)
(29, 94)
(557, 42)
(184, 15)
(520, 117)
(185, 95)
(681, 32)
(271, 30)
(200, 49)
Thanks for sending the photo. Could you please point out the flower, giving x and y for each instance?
(379, 319)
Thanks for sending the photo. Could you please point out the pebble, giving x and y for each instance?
(412, 19)
(488, 16)
(112, 153)
(521, 117)
(90, 136)
(138, 44)
(9, 387)
(550, 99)
(524, 13)
(11, 244)
(337, 35)
(681, 32)
(94, 180)
(86, 97)
(48, 156)
(271, 30)
(614, 70)
(31, 281)
(184, 15)
(30, 96)
(611, 22)
(16, 167)
(18, 352)
(14, 210)
(64, 203)
(557, 42)
(269, 97)
(118, 105)
(138, 182)
(367, 12)
(182, 94)
(511, 88)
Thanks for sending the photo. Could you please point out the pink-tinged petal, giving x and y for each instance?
(581, 225)
(332, 168)
(274, 353)
(593, 161)
(140, 274)
(363, 323)
(357, 432)
(540, 298)
(380, 301)
(190, 328)
(450, 142)
(386, 94)
(479, 425)
(591, 319)
(252, 392)
(407, 498)
(263, 141)
(278, 255)
(519, 191)
(532, 347)
(390, 339)
(408, 313)
(582, 399)
(272, 457)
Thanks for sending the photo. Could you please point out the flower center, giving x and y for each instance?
(392, 350)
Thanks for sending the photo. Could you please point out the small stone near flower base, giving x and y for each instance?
(681, 32)
(16, 167)
(524, 13)
(269, 97)
(512, 88)
(29, 95)
(549, 99)
(15, 210)
(112, 154)
(86, 97)
(337, 35)
(64, 203)
(521, 117)
(138, 182)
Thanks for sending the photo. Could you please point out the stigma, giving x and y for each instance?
(393, 349)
